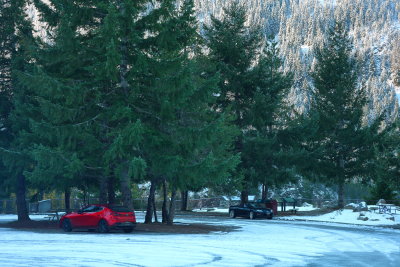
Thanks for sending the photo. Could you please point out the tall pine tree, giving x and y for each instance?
(119, 66)
(65, 143)
(187, 142)
(252, 89)
(340, 143)
(85, 82)
(16, 41)
(267, 154)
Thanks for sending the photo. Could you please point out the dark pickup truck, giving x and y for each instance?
(251, 210)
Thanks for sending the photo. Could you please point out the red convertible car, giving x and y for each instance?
(100, 217)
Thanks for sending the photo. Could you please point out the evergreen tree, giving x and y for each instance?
(7, 40)
(234, 48)
(266, 151)
(64, 144)
(340, 144)
(85, 83)
(16, 40)
(187, 143)
(385, 167)
(118, 66)
(252, 88)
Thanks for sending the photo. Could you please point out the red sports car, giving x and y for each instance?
(100, 217)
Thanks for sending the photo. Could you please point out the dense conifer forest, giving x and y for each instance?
(233, 96)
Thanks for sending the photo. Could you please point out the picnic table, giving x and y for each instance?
(54, 215)
(284, 201)
(386, 208)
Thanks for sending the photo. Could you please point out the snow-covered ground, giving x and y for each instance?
(226, 210)
(256, 243)
(350, 217)
(372, 218)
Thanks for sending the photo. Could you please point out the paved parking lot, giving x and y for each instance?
(257, 243)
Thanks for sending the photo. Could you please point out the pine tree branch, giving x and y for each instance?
(87, 121)
(10, 151)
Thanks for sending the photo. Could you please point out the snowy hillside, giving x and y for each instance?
(300, 25)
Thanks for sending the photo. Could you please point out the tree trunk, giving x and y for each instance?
(111, 190)
(123, 66)
(171, 215)
(22, 209)
(341, 184)
(85, 198)
(264, 192)
(165, 201)
(341, 194)
(184, 197)
(150, 202)
(103, 190)
(244, 197)
(67, 199)
(126, 189)
(155, 210)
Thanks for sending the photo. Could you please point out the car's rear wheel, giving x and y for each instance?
(103, 227)
(252, 215)
(270, 216)
(128, 230)
(232, 214)
(66, 225)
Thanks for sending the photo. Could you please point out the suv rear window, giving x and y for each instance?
(119, 209)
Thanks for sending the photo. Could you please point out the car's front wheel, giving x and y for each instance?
(270, 216)
(66, 225)
(103, 227)
(232, 214)
(252, 215)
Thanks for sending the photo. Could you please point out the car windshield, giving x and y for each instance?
(256, 205)
(119, 209)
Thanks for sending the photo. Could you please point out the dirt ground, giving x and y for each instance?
(52, 226)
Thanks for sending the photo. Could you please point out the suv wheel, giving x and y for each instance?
(232, 214)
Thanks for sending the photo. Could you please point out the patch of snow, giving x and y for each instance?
(226, 210)
(350, 217)
(328, 2)
(232, 198)
(5, 218)
(305, 208)
(305, 49)
(220, 210)
(396, 25)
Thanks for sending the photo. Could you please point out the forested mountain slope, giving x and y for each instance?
(301, 25)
